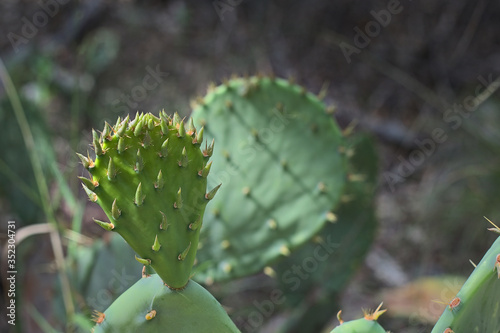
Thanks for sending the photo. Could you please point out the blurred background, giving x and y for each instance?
(420, 77)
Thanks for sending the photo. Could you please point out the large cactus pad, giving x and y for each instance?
(278, 154)
(149, 176)
(476, 307)
(150, 307)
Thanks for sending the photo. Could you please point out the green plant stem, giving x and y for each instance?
(41, 322)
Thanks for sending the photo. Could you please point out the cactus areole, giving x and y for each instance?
(149, 177)
(368, 324)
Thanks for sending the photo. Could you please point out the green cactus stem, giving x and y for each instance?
(476, 307)
(150, 178)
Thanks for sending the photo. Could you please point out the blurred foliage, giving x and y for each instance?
(99, 273)
(17, 182)
(461, 184)
(99, 50)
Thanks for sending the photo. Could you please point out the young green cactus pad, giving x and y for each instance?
(150, 307)
(336, 252)
(368, 324)
(476, 307)
(149, 176)
(279, 156)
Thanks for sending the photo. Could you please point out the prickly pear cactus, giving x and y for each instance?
(149, 176)
(368, 324)
(150, 306)
(476, 307)
(279, 155)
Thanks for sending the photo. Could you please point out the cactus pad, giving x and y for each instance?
(476, 307)
(149, 177)
(278, 154)
(149, 306)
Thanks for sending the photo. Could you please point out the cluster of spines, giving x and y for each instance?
(140, 128)
(144, 123)
(370, 316)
